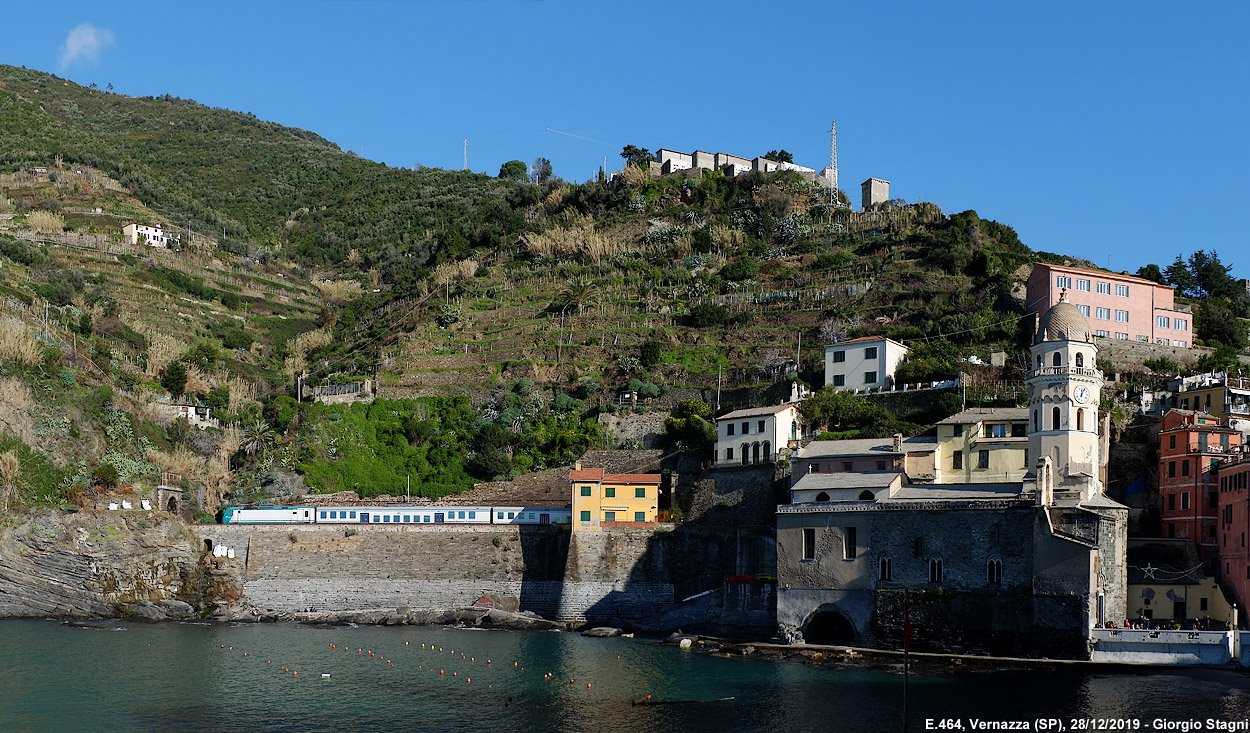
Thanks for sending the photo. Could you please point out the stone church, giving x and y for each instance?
(1024, 564)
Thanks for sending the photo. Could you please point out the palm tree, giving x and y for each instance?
(257, 436)
(579, 293)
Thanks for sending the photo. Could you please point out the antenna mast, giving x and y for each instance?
(466, 154)
(833, 164)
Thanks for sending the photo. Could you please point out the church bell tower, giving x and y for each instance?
(1064, 388)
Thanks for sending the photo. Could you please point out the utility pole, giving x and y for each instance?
(466, 154)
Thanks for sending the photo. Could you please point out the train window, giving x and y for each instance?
(472, 515)
(323, 515)
(511, 515)
(462, 515)
(353, 516)
(499, 515)
(407, 518)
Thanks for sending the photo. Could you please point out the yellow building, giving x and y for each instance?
(613, 499)
(982, 445)
(1166, 585)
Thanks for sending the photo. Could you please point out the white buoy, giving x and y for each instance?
(325, 675)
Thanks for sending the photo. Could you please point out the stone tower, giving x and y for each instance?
(1065, 388)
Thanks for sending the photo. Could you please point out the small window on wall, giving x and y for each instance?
(870, 352)
(957, 460)
(885, 569)
(585, 491)
(983, 459)
(994, 571)
(839, 357)
(839, 380)
(1080, 359)
(809, 543)
(848, 543)
(935, 570)
(1057, 359)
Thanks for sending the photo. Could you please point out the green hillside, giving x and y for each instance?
(498, 318)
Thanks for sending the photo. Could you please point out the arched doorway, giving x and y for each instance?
(828, 626)
(172, 505)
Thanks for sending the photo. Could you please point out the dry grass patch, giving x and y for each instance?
(337, 292)
(17, 344)
(46, 221)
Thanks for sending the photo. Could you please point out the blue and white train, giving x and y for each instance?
(270, 514)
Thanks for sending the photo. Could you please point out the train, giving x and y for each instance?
(271, 514)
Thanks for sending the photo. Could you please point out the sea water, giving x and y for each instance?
(118, 676)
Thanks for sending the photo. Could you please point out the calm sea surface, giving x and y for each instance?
(185, 677)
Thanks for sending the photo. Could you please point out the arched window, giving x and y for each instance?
(885, 568)
(746, 454)
(1057, 359)
(1039, 361)
(994, 571)
(1036, 418)
(794, 430)
(1054, 418)
(1080, 359)
(768, 450)
(1080, 419)
(822, 496)
(755, 453)
(866, 495)
(935, 569)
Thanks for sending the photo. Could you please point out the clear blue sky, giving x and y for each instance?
(1110, 131)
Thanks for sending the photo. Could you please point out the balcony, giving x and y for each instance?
(764, 459)
(1065, 371)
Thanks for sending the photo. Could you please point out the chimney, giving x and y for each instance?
(898, 442)
(577, 465)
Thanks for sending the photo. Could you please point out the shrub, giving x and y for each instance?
(741, 270)
(650, 353)
(708, 314)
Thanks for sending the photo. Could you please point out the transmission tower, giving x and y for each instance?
(833, 164)
(466, 154)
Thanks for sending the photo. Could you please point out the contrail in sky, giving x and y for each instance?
(579, 137)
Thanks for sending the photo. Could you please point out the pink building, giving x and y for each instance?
(1117, 306)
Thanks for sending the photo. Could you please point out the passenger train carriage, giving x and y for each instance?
(269, 514)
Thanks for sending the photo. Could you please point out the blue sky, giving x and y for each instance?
(1110, 131)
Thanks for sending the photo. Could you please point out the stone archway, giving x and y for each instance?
(171, 506)
(828, 626)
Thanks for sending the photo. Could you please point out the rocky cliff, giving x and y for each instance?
(100, 564)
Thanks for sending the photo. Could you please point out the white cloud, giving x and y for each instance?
(85, 44)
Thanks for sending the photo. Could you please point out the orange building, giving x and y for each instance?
(1190, 445)
(1234, 485)
(613, 499)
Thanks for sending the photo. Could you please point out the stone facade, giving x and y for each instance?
(1026, 565)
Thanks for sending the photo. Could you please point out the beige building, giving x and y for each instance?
(983, 445)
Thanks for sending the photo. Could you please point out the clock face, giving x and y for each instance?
(1081, 394)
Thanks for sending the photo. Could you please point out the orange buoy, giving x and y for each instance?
(453, 674)
(587, 685)
(570, 680)
(468, 680)
(295, 674)
(245, 654)
(516, 664)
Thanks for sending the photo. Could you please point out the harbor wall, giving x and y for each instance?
(629, 576)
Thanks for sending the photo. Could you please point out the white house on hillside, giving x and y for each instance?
(151, 235)
(757, 434)
(863, 363)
